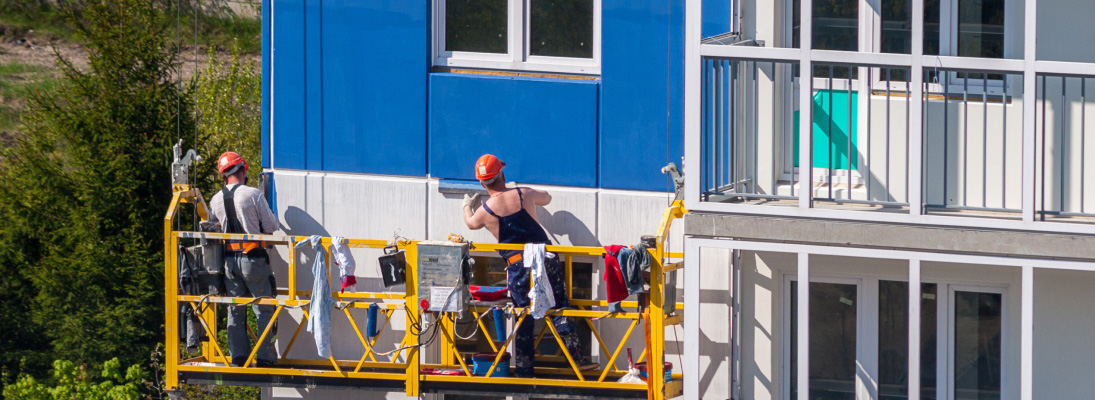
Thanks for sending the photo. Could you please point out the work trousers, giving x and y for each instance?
(249, 276)
(524, 341)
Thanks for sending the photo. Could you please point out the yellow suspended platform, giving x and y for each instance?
(401, 369)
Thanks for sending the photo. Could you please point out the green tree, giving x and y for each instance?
(82, 196)
(75, 382)
(227, 100)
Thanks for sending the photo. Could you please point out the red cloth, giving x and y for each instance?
(614, 278)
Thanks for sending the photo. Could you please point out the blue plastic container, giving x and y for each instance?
(481, 364)
(668, 370)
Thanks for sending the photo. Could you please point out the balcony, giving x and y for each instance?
(948, 145)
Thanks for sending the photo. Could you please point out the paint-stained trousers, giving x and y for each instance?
(249, 276)
(517, 281)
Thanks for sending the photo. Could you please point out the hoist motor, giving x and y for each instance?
(444, 270)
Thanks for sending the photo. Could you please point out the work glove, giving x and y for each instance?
(348, 281)
(470, 200)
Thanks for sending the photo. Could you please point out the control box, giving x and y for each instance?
(443, 276)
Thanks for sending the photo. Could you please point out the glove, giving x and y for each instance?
(347, 282)
(470, 200)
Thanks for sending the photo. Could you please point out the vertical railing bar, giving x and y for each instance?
(908, 136)
(706, 115)
(848, 134)
(870, 94)
(1004, 150)
(965, 140)
(1083, 139)
(830, 133)
(1043, 179)
(756, 120)
(1063, 146)
(794, 172)
(717, 131)
(985, 141)
(946, 135)
(887, 141)
(732, 127)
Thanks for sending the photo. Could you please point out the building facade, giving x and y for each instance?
(947, 153)
(374, 108)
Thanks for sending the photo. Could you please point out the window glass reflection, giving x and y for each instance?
(476, 25)
(832, 339)
(977, 345)
(561, 28)
(893, 340)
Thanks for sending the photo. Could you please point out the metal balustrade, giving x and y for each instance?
(1061, 118)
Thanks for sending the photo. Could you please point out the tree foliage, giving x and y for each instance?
(76, 382)
(227, 102)
(82, 197)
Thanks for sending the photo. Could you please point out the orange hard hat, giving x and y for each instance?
(488, 166)
(227, 163)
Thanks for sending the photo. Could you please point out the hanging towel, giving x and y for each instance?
(614, 279)
(319, 309)
(340, 254)
(542, 297)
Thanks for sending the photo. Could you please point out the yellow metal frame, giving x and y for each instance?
(371, 365)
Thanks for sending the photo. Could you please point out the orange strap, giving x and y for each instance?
(515, 258)
(245, 247)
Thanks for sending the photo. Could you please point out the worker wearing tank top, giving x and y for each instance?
(510, 215)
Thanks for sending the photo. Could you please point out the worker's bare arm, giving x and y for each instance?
(474, 219)
(538, 197)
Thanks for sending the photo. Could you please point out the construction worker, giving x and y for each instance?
(510, 215)
(243, 209)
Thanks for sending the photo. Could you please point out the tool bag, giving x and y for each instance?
(190, 328)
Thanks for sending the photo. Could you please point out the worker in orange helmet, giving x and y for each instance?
(243, 209)
(510, 215)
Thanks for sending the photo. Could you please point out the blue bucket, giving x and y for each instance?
(668, 370)
(481, 363)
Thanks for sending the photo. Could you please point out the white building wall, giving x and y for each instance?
(379, 207)
(764, 332)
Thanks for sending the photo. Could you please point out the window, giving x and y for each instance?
(527, 35)
(833, 334)
(961, 339)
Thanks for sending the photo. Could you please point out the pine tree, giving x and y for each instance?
(83, 193)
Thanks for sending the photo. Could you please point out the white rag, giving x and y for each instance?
(340, 254)
(541, 296)
(319, 316)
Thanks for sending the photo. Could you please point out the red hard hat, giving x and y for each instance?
(228, 161)
(488, 166)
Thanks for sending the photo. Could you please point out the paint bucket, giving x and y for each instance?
(668, 370)
(481, 363)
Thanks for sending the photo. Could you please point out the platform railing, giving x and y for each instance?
(400, 369)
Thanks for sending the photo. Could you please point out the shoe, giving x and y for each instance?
(266, 363)
(238, 361)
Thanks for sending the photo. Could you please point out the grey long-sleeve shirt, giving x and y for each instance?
(251, 208)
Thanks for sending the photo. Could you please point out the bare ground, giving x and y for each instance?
(41, 50)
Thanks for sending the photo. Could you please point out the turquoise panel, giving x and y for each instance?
(832, 125)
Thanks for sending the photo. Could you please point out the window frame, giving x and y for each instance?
(867, 331)
(517, 56)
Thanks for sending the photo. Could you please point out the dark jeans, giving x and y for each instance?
(517, 281)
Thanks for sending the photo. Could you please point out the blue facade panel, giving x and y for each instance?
(642, 92)
(265, 139)
(287, 84)
(717, 15)
(374, 73)
(544, 129)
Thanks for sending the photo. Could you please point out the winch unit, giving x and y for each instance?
(443, 275)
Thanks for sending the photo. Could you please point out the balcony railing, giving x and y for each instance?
(872, 127)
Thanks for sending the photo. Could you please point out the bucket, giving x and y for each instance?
(481, 364)
(668, 370)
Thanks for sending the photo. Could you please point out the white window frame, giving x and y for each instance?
(517, 56)
(950, 326)
(867, 288)
(785, 317)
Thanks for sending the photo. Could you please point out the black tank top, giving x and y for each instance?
(519, 227)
